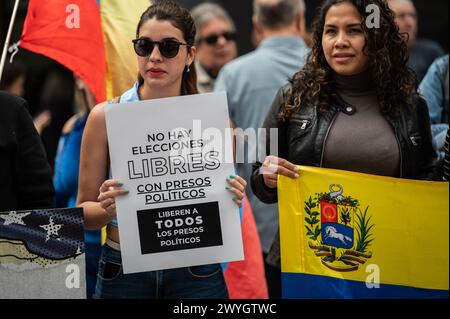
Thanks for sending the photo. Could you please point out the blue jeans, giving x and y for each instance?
(93, 250)
(199, 282)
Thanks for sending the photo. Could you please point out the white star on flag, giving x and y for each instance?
(14, 218)
(52, 229)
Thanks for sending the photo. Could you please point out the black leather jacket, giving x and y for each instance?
(301, 140)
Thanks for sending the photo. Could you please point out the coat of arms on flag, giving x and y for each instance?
(333, 239)
(351, 235)
(42, 254)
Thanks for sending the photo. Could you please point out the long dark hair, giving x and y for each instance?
(181, 19)
(394, 81)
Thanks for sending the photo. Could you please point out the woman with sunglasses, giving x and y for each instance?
(215, 43)
(164, 45)
(354, 106)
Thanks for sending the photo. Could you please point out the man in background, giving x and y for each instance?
(422, 52)
(215, 42)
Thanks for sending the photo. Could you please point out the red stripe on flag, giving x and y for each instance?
(51, 28)
(246, 279)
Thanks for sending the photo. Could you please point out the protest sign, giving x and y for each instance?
(174, 156)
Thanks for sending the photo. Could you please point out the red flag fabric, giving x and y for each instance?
(329, 212)
(246, 279)
(69, 31)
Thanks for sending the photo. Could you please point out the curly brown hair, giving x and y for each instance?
(395, 83)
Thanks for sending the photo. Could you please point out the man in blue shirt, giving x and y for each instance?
(435, 90)
(251, 83)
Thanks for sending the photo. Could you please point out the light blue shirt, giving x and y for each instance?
(132, 95)
(432, 89)
(251, 83)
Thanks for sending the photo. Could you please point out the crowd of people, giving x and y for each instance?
(351, 97)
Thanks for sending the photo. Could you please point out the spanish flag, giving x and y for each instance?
(89, 37)
(351, 235)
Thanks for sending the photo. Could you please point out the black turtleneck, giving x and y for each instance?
(364, 141)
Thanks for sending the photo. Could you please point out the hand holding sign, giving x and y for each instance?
(112, 188)
(178, 213)
(237, 187)
(108, 192)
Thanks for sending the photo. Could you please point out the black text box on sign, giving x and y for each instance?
(179, 227)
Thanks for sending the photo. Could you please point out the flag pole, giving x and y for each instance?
(8, 37)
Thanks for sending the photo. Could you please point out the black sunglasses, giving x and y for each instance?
(169, 48)
(213, 38)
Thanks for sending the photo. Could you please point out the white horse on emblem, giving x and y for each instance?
(331, 232)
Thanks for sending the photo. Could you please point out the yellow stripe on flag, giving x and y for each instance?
(400, 226)
(119, 23)
(104, 235)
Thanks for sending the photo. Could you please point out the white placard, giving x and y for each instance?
(174, 156)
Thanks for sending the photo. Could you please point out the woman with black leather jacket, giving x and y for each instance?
(354, 106)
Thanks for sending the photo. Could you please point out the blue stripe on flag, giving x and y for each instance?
(303, 286)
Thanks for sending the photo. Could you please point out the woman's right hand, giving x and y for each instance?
(109, 190)
(274, 166)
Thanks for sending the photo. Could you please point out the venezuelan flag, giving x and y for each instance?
(91, 38)
(351, 235)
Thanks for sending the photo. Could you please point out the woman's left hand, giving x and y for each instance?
(237, 186)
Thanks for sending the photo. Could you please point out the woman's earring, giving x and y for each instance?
(188, 68)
